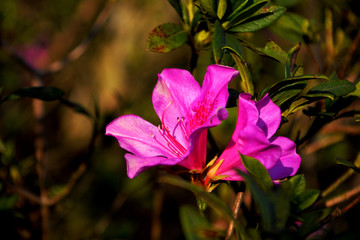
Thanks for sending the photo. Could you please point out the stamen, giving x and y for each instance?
(172, 144)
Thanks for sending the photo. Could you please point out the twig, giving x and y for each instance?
(156, 216)
(236, 208)
(350, 54)
(342, 198)
(341, 179)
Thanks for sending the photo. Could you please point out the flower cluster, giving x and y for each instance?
(187, 111)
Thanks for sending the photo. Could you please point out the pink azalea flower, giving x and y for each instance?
(186, 112)
(254, 136)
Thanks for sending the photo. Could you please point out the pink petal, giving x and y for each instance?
(173, 94)
(137, 136)
(213, 97)
(270, 116)
(289, 161)
(197, 147)
(136, 165)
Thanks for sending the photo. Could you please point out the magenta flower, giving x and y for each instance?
(254, 136)
(186, 112)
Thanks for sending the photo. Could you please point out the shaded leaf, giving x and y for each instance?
(42, 93)
(292, 80)
(263, 18)
(290, 60)
(263, 201)
(241, 14)
(192, 221)
(307, 198)
(256, 169)
(76, 107)
(273, 50)
(218, 42)
(165, 38)
(337, 88)
(177, 6)
(207, 8)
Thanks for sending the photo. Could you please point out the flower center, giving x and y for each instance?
(172, 145)
(201, 110)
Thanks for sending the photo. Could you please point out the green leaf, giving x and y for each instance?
(192, 222)
(42, 93)
(336, 88)
(288, 93)
(291, 81)
(263, 201)
(76, 107)
(240, 14)
(290, 65)
(256, 169)
(246, 82)
(307, 198)
(207, 8)
(273, 50)
(263, 18)
(221, 8)
(177, 6)
(302, 198)
(297, 184)
(166, 37)
(219, 41)
(356, 92)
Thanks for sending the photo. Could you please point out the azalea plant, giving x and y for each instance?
(252, 134)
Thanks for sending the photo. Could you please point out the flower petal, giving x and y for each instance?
(136, 165)
(137, 136)
(214, 96)
(270, 116)
(197, 147)
(289, 161)
(174, 92)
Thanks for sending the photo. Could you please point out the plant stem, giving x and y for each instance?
(236, 208)
(341, 179)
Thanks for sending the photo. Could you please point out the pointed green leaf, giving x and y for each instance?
(177, 6)
(241, 14)
(218, 42)
(263, 18)
(272, 49)
(76, 107)
(207, 8)
(291, 81)
(42, 93)
(263, 201)
(307, 198)
(246, 83)
(297, 184)
(165, 38)
(221, 8)
(337, 88)
(256, 169)
(290, 60)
